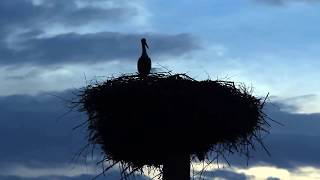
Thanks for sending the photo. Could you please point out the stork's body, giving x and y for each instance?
(144, 62)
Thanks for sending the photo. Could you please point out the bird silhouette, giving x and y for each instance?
(144, 62)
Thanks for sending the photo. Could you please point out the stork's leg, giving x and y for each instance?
(177, 167)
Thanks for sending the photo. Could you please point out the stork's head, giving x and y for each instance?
(144, 42)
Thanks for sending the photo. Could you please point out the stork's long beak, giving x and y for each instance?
(147, 45)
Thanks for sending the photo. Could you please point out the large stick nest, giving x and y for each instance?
(139, 121)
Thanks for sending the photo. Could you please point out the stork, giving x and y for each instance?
(144, 62)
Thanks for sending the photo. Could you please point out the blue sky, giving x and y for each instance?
(53, 46)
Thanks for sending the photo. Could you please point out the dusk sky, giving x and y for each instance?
(51, 48)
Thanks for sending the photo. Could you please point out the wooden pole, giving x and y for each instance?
(177, 167)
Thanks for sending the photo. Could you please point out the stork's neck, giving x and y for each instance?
(144, 50)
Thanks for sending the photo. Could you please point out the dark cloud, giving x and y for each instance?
(305, 124)
(289, 151)
(26, 21)
(294, 144)
(96, 47)
(20, 13)
(32, 130)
